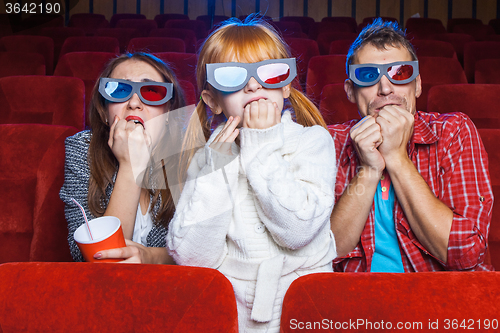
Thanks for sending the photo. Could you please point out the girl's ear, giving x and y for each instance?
(211, 101)
(286, 90)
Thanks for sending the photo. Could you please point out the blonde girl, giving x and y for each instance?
(259, 194)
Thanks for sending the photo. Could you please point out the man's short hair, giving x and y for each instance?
(380, 34)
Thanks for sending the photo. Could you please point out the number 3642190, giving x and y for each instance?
(32, 8)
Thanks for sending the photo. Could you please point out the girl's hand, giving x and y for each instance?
(132, 253)
(223, 140)
(130, 144)
(261, 114)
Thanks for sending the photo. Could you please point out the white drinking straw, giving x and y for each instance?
(85, 217)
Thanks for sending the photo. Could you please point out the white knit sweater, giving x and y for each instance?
(264, 214)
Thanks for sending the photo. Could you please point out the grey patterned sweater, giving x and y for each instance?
(76, 185)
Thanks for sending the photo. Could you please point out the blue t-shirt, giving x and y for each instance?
(387, 255)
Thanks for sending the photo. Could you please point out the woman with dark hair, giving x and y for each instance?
(108, 168)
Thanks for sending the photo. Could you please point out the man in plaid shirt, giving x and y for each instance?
(413, 191)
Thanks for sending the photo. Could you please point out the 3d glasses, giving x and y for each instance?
(399, 72)
(233, 76)
(151, 93)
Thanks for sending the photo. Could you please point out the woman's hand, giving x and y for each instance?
(136, 253)
(261, 114)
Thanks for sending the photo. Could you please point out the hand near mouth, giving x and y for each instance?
(261, 114)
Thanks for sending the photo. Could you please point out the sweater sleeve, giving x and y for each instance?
(292, 172)
(197, 233)
(76, 183)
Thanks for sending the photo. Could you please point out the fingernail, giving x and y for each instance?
(98, 255)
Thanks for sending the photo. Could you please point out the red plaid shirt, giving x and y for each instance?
(448, 153)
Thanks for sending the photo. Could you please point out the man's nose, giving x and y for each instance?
(385, 87)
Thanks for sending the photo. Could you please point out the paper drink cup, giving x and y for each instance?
(107, 234)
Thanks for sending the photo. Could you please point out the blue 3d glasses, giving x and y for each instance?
(233, 76)
(151, 93)
(399, 72)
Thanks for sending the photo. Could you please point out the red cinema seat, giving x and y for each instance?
(211, 21)
(33, 24)
(457, 40)
(88, 22)
(33, 226)
(303, 50)
(48, 100)
(144, 27)
(452, 23)
(304, 21)
(109, 298)
(383, 302)
(487, 71)
(433, 48)
(162, 18)
(324, 70)
(334, 105)
(479, 32)
(37, 44)
(183, 65)
(475, 51)
(326, 38)
(189, 91)
(490, 138)
(350, 21)
(124, 35)
(90, 44)
(478, 101)
(326, 27)
(423, 28)
(289, 29)
(124, 16)
(156, 44)
(86, 66)
(340, 46)
(188, 36)
(435, 71)
(21, 63)
(198, 27)
(59, 35)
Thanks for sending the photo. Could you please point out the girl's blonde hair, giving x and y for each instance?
(102, 162)
(250, 41)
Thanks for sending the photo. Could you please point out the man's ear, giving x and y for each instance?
(349, 90)
(418, 86)
(210, 100)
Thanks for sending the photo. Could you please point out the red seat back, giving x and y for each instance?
(32, 226)
(156, 44)
(162, 18)
(124, 16)
(334, 105)
(144, 27)
(90, 44)
(303, 50)
(475, 51)
(324, 70)
(198, 27)
(21, 63)
(183, 65)
(487, 71)
(187, 35)
(433, 48)
(123, 35)
(37, 44)
(88, 22)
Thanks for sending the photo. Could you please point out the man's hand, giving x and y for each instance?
(396, 127)
(367, 137)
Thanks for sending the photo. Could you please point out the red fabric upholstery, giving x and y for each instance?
(211, 21)
(124, 16)
(478, 101)
(183, 64)
(188, 36)
(21, 63)
(156, 44)
(59, 35)
(391, 298)
(144, 27)
(422, 28)
(90, 44)
(34, 23)
(334, 105)
(86, 66)
(328, 26)
(289, 29)
(491, 138)
(435, 71)
(124, 35)
(37, 44)
(304, 21)
(86, 297)
(324, 70)
(303, 50)
(350, 21)
(475, 51)
(478, 31)
(325, 39)
(197, 26)
(341, 46)
(189, 91)
(162, 18)
(32, 224)
(487, 71)
(457, 40)
(88, 22)
(434, 48)
(48, 100)
(452, 23)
